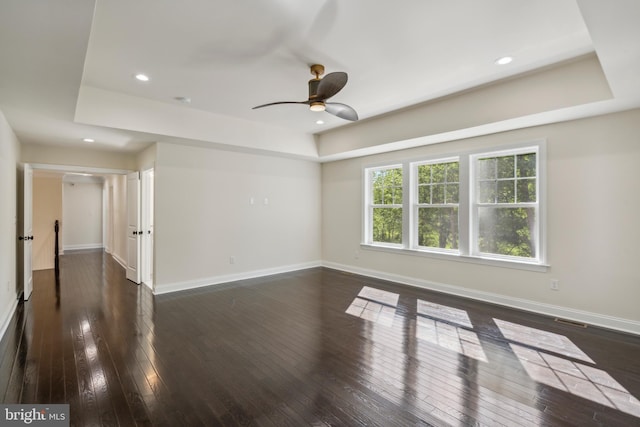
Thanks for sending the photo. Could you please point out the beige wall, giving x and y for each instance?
(82, 225)
(9, 157)
(88, 157)
(47, 208)
(204, 215)
(592, 237)
(575, 82)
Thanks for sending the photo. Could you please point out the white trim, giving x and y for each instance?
(83, 246)
(596, 319)
(217, 280)
(458, 257)
(8, 317)
(79, 169)
(119, 260)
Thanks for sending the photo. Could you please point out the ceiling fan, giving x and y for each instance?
(321, 89)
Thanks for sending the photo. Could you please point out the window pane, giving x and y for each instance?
(437, 194)
(387, 225)
(452, 193)
(438, 172)
(377, 195)
(486, 168)
(453, 172)
(438, 227)
(387, 195)
(527, 165)
(397, 195)
(507, 231)
(424, 194)
(506, 167)
(424, 174)
(396, 176)
(487, 192)
(387, 186)
(527, 190)
(506, 191)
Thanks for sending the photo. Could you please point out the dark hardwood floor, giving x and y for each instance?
(317, 347)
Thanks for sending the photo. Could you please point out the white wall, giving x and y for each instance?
(47, 208)
(82, 210)
(146, 159)
(9, 157)
(593, 230)
(116, 217)
(204, 215)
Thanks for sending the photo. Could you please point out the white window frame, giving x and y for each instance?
(467, 209)
(475, 205)
(368, 223)
(415, 205)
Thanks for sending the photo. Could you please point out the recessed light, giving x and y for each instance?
(504, 60)
(89, 140)
(142, 77)
(320, 122)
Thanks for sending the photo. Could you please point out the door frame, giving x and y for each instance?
(134, 229)
(63, 169)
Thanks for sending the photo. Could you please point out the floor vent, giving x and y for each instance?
(571, 322)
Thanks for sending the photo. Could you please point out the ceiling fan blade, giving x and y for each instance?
(331, 84)
(281, 102)
(341, 110)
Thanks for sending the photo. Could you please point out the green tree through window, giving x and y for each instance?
(437, 201)
(386, 206)
(507, 205)
(483, 205)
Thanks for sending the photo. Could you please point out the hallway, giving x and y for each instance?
(315, 347)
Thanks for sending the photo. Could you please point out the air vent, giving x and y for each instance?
(571, 322)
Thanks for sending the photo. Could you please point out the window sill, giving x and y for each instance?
(502, 263)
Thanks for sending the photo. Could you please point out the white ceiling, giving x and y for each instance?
(66, 67)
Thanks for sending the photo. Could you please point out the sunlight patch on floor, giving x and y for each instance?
(374, 305)
(533, 349)
(448, 327)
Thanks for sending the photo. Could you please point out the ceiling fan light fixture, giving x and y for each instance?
(317, 106)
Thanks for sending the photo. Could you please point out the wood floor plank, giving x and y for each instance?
(290, 350)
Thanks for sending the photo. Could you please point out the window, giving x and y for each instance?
(505, 205)
(385, 207)
(437, 204)
(476, 206)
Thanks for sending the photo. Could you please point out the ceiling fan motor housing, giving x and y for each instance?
(313, 88)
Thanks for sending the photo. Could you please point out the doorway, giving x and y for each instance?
(25, 213)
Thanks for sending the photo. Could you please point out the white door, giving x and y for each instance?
(25, 193)
(133, 227)
(146, 211)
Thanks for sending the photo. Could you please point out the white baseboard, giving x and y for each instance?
(83, 246)
(216, 280)
(119, 260)
(605, 321)
(7, 317)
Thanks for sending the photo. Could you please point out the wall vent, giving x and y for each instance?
(571, 322)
